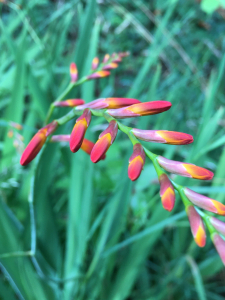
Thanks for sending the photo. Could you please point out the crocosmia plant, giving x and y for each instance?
(112, 110)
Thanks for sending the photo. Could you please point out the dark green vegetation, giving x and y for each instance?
(99, 236)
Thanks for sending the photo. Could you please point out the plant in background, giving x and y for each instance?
(112, 109)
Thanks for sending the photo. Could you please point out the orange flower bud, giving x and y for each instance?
(136, 162)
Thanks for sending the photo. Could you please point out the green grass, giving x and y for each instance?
(73, 230)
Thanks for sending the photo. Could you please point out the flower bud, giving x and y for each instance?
(205, 202)
(184, 169)
(37, 142)
(136, 162)
(220, 246)
(73, 72)
(140, 109)
(218, 225)
(106, 58)
(95, 63)
(79, 130)
(69, 102)
(163, 136)
(99, 74)
(110, 66)
(109, 103)
(197, 226)
(167, 193)
(106, 138)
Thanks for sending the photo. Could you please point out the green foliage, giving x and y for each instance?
(96, 234)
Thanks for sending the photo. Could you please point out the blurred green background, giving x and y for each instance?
(73, 230)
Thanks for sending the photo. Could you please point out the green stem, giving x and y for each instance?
(63, 95)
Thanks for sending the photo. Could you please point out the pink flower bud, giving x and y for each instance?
(184, 169)
(205, 202)
(140, 109)
(99, 74)
(218, 225)
(163, 136)
(110, 66)
(73, 72)
(220, 246)
(95, 63)
(106, 58)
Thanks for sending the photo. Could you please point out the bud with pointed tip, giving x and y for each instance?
(95, 63)
(79, 130)
(69, 102)
(163, 136)
(219, 243)
(37, 142)
(73, 72)
(140, 109)
(99, 74)
(218, 225)
(167, 193)
(136, 162)
(205, 202)
(109, 103)
(184, 169)
(110, 66)
(106, 138)
(197, 226)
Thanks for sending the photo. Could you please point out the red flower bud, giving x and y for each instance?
(136, 162)
(36, 143)
(106, 138)
(70, 102)
(79, 130)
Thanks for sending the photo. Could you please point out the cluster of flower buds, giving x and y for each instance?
(99, 69)
(119, 108)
